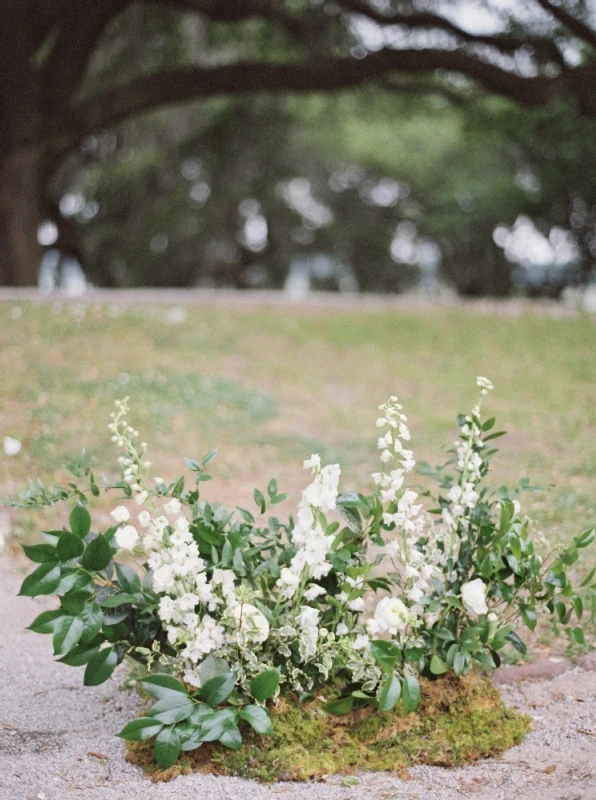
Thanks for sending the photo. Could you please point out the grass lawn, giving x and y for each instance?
(269, 386)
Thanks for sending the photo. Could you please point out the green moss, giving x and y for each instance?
(459, 720)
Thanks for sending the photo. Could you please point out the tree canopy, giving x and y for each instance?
(68, 71)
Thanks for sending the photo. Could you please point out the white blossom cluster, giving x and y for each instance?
(309, 535)
(206, 610)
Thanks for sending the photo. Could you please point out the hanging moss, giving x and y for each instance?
(459, 720)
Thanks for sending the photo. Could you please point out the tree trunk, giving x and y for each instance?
(20, 161)
(20, 191)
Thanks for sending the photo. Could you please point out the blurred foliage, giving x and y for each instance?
(367, 190)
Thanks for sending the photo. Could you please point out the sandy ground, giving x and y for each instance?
(57, 738)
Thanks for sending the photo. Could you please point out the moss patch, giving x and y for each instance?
(459, 720)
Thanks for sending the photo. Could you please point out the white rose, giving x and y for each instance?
(121, 514)
(473, 595)
(252, 622)
(391, 615)
(127, 537)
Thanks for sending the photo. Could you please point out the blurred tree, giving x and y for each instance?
(58, 82)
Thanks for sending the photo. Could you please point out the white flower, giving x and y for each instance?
(308, 617)
(342, 629)
(391, 615)
(473, 595)
(11, 447)
(361, 642)
(127, 537)
(121, 514)
(141, 497)
(314, 462)
(252, 622)
(173, 507)
(144, 519)
(314, 590)
(357, 604)
(288, 578)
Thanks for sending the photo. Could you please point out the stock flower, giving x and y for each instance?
(473, 595)
(127, 537)
(314, 462)
(121, 514)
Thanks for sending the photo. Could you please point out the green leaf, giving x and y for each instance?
(264, 685)
(411, 693)
(272, 488)
(162, 685)
(218, 689)
(529, 617)
(578, 606)
(67, 634)
(43, 580)
(80, 521)
(211, 667)
(386, 654)
(437, 665)
(173, 708)
(341, 706)
(100, 667)
(140, 729)
(92, 621)
(258, 718)
(231, 736)
(46, 621)
(128, 578)
(167, 747)
(260, 500)
(116, 600)
(69, 546)
(81, 654)
(389, 694)
(459, 662)
(507, 514)
(586, 538)
(40, 553)
(514, 639)
(97, 555)
(578, 635)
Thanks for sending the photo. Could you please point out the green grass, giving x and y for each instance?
(269, 386)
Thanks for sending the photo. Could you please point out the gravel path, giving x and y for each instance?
(57, 737)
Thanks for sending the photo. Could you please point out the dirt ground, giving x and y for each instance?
(57, 738)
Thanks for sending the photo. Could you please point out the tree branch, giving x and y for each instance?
(506, 43)
(575, 25)
(314, 74)
(79, 29)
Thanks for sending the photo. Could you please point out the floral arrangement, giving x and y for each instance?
(349, 602)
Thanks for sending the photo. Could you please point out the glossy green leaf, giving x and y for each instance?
(162, 685)
(128, 579)
(67, 633)
(173, 708)
(100, 667)
(140, 729)
(390, 693)
(97, 555)
(167, 747)
(69, 546)
(46, 621)
(437, 665)
(218, 689)
(265, 685)
(258, 718)
(43, 580)
(411, 693)
(80, 521)
(40, 553)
